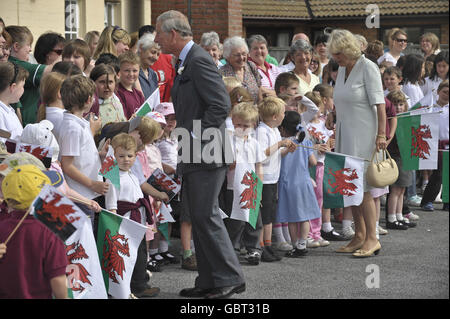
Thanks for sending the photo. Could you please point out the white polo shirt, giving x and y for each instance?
(9, 122)
(76, 140)
(54, 115)
(266, 137)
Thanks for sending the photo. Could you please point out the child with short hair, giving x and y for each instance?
(296, 210)
(12, 80)
(231, 82)
(392, 79)
(130, 97)
(237, 95)
(287, 83)
(107, 106)
(34, 265)
(78, 52)
(246, 151)
(271, 112)
(80, 160)
(130, 202)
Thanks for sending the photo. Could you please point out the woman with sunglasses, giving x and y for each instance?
(398, 43)
(49, 48)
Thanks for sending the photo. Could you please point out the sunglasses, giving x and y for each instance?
(58, 52)
(401, 40)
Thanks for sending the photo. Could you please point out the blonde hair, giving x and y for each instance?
(125, 141)
(396, 96)
(129, 57)
(149, 130)
(270, 106)
(109, 37)
(49, 88)
(315, 97)
(76, 91)
(240, 94)
(246, 111)
(434, 40)
(231, 82)
(343, 41)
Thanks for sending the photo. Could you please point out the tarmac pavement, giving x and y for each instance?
(412, 264)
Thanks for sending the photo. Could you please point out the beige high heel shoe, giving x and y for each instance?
(363, 253)
(349, 249)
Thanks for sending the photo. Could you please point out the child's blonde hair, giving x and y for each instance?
(129, 57)
(125, 141)
(231, 82)
(246, 111)
(324, 90)
(149, 130)
(76, 91)
(240, 94)
(314, 96)
(49, 88)
(396, 97)
(270, 106)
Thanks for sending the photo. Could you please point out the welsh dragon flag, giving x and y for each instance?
(247, 190)
(343, 181)
(417, 139)
(72, 226)
(445, 173)
(149, 104)
(118, 239)
(110, 169)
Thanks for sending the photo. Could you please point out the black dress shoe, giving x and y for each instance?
(407, 223)
(225, 292)
(194, 292)
(396, 225)
(332, 236)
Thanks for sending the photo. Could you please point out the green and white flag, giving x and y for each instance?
(118, 239)
(445, 173)
(343, 181)
(84, 275)
(417, 139)
(247, 191)
(149, 104)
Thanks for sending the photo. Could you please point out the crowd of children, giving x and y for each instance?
(82, 100)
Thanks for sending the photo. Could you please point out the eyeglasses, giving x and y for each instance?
(401, 40)
(58, 51)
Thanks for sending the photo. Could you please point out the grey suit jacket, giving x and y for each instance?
(199, 93)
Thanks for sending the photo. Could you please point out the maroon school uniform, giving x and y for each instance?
(34, 255)
(131, 100)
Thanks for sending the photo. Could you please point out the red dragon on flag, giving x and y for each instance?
(342, 184)
(420, 147)
(112, 261)
(249, 195)
(107, 165)
(59, 216)
(76, 272)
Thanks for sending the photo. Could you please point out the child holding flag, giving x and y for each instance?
(248, 158)
(34, 266)
(294, 179)
(130, 202)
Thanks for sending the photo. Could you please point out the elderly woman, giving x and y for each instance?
(148, 51)
(258, 55)
(210, 42)
(429, 44)
(360, 127)
(301, 53)
(235, 51)
(398, 42)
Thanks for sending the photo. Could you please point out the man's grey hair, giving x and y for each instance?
(147, 41)
(209, 39)
(300, 45)
(175, 20)
(256, 38)
(232, 43)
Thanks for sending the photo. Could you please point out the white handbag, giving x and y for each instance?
(382, 173)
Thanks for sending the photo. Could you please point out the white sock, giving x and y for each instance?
(346, 223)
(163, 246)
(301, 244)
(278, 232)
(399, 217)
(392, 218)
(286, 235)
(326, 227)
(377, 223)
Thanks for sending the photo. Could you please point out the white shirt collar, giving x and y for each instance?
(185, 52)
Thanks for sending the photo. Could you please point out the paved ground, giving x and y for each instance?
(412, 264)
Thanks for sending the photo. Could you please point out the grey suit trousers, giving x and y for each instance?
(217, 263)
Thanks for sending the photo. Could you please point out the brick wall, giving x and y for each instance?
(222, 16)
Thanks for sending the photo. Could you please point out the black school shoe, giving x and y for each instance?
(407, 223)
(271, 251)
(296, 253)
(396, 225)
(170, 258)
(332, 236)
(267, 256)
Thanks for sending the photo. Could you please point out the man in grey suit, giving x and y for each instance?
(201, 105)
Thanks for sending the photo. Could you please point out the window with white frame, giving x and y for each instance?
(110, 12)
(72, 17)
